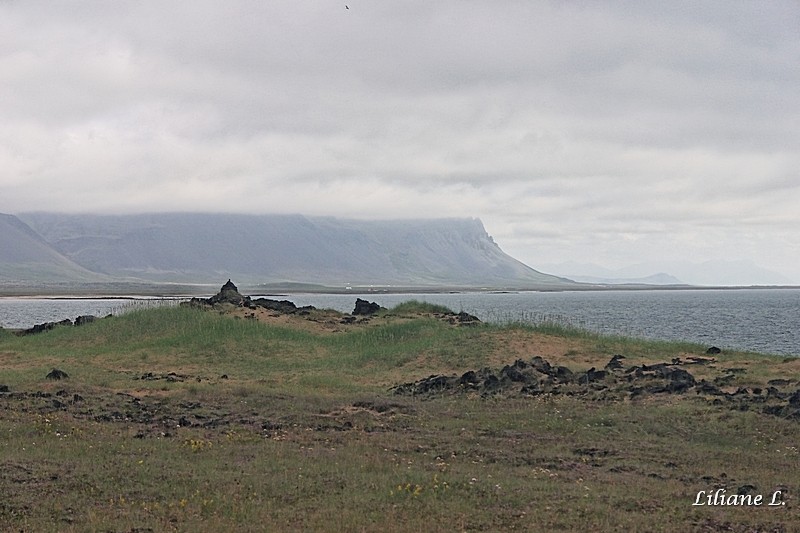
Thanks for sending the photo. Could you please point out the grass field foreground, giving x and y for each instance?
(179, 419)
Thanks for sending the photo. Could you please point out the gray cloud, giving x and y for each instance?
(577, 131)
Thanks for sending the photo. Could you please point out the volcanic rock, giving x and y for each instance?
(517, 372)
(541, 365)
(680, 380)
(230, 294)
(459, 319)
(615, 363)
(47, 326)
(592, 375)
(57, 374)
(85, 319)
(363, 307)
(538, 376)
(794, 399)
(281, 306)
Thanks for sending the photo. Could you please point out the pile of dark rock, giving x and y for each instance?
(281, 306)
(614, 382)
(57, 375)
(47, 326)
(363, 307)
(459, 319)
(229, 295)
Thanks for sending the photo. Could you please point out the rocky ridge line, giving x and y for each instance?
(614, 382)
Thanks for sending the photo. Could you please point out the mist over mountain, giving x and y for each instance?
(204, 248)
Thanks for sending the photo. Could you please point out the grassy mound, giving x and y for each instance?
(415, 306)
(184, 419)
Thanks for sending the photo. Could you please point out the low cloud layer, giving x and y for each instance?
(604, 133)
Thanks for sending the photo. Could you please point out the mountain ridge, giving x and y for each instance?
(200, 248)
(25, 256)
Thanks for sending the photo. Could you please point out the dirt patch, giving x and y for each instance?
(316, 321)
(514, 345)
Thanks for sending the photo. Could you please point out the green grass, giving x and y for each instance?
(415, 306)
(304, 435)
(169, 338)
(567, 331)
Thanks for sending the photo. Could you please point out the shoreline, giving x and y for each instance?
(146, 291)
(480, 303)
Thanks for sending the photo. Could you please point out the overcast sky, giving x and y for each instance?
(603, 132)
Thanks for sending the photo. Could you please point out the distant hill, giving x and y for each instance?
(655, 279)
(715, 272)
(26, 257)
(204, 248)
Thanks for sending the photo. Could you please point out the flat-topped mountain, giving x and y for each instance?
(202, 248)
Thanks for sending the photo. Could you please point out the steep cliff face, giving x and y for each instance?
(26, 256)
(279, 248)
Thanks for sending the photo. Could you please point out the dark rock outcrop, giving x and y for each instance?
(463, 319)
(592, 375)
(704, 387)
(778, 382)
(615, 363)
(429, 385)
(541, 365)
(229, 293)
(794, 399)
(85, 319)
(363, 307)
(538, 377)
(281, 306)
(458, 319)
(57, 375)
(520, 372)
(47, 326)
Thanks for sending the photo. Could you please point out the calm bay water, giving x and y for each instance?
(763, 320)
(25, 312)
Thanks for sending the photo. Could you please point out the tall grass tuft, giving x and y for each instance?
(415, 306)
(139, 304)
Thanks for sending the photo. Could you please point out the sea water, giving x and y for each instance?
(762, 320)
